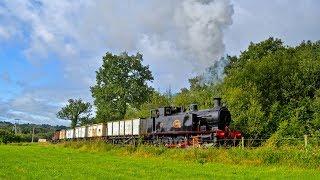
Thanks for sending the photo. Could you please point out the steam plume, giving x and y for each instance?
(202, 24)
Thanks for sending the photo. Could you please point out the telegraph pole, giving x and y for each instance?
(32, 134)
(15, 126)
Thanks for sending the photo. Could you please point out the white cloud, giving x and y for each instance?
(27, 117)
(177, 38)
(292, 21)
(174, 72)
(72, 29)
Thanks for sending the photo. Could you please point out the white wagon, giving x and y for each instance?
(81, 132)
(97, 130)
(124, 128)
(70, 133)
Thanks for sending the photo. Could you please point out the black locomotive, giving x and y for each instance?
(174, 126)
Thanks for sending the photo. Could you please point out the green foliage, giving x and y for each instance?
(24, 131)
(246, 110)
(121, 82)
(271, 87)
(7, 137)
(76, 111)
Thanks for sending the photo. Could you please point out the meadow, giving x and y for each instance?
(95, 160)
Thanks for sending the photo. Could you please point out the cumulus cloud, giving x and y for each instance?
(30, 109)
(177, 38)
(80, 32)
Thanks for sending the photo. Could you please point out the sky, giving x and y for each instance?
(50, 50)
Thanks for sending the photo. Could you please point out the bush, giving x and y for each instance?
(8, 137)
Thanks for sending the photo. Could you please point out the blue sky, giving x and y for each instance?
(49, 50)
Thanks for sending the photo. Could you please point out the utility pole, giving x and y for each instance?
(32, 134)
(18, 127)
(15, 126)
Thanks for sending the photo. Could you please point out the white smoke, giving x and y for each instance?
(201, 25)
(189, 42)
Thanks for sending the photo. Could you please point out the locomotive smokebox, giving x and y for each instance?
(217, 102)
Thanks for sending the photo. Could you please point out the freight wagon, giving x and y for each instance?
(62, 134)
(70, 134)
(113, 130)
(81, 132)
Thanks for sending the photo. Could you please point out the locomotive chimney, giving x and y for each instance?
(217, 102)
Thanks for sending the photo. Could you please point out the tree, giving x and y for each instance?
(121, 82)
(273, 88)
(76, 111)
(8, 136)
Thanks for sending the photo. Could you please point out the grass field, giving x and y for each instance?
(54, 161)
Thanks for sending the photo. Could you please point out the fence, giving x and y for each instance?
(304, 142)
(300, 142)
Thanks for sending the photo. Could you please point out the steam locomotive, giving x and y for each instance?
(170, 126)
(173, 125)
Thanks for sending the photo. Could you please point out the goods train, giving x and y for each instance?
(170, 126)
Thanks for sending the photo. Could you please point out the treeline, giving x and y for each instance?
(23, 132)
(271, 89)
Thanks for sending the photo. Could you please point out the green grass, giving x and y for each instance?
(84, 161)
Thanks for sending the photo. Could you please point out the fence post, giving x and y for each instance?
(242, 142)
(305, 141)
(193, 142)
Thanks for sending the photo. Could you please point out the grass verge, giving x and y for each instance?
(285, 156)
(96, 160)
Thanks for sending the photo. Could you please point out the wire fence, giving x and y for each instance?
(299, 142)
